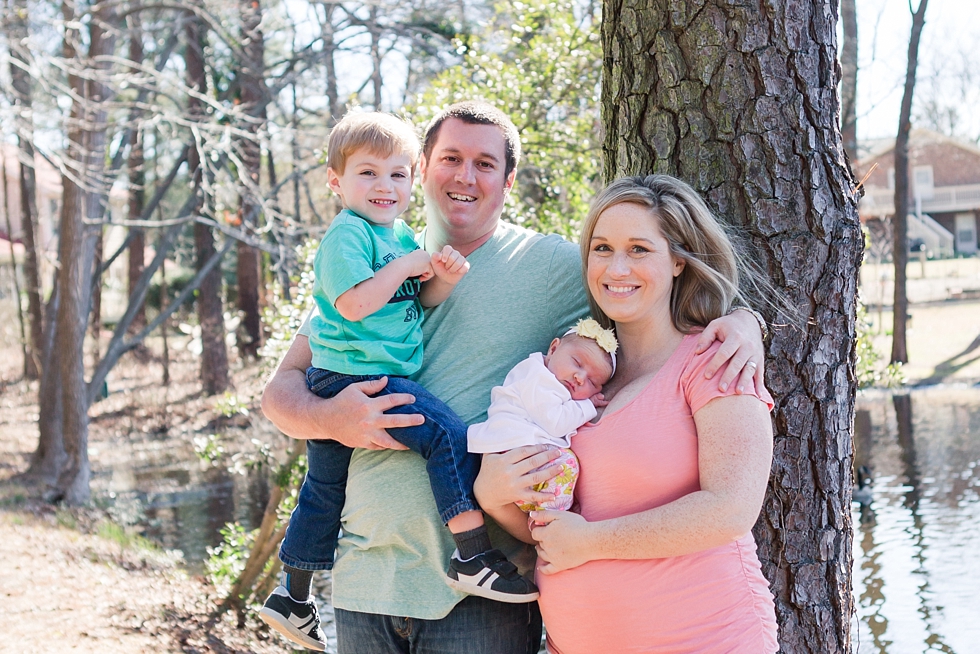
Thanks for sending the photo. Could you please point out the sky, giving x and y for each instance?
(951, 36)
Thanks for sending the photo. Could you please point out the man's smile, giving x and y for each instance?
(459, 197)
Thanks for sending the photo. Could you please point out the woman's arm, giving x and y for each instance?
(352, 417)
(508, 478)
(734, 459)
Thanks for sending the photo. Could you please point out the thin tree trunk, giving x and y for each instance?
(96, 291)
(252, 80)
(137, 182)
(214, 357)
(849, 69)
(740, 100)
(375, 56)
(329, 48)
(24, 119)
(900, 246)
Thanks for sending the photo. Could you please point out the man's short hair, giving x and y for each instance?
(381, 134)
(478, 113)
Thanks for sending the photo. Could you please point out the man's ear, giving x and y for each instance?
(509, 182)
(423, 164)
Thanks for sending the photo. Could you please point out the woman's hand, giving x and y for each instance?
(564, 540)
(508, 478)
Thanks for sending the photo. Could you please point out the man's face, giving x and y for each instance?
(464, 182)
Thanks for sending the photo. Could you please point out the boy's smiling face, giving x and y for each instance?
(374, 187)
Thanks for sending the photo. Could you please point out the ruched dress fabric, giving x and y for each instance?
(639, 457)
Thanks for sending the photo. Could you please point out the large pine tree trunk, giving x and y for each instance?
(900, 242)
(22, 101)
(740, 100)
(252, 79)
(214, 355)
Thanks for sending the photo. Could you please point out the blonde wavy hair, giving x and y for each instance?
(708, 285)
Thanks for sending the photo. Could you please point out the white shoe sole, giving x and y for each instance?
(283, 626)
(489, 593)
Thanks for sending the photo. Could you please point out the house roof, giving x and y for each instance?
(873, 148)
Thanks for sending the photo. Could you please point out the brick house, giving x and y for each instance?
(944, 198)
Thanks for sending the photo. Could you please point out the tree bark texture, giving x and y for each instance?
(252, 75)
(22, 100)
(740, 100)
(849, 70)
(214, 355)
(85, 161)
(900, 244)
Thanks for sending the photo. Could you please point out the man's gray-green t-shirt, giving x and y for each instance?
(523, 289)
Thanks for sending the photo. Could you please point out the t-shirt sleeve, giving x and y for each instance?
(699, 391)
(343, 260)
(568, 300)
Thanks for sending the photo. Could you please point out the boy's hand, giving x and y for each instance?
(449, 265)
(420, 265)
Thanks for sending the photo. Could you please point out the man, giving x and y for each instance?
(522, 289)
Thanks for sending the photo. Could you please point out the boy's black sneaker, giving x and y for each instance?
(297, 621)
(490, 575)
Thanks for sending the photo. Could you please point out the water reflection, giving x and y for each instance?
(916, 579)
(182, 505)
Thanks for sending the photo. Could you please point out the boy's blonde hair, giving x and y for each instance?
(381, 134)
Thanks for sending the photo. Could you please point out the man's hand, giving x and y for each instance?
(449, 265)
(366, 418)
(741, 347)
(352, 417)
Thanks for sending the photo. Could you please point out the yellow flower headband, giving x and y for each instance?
(604, 338)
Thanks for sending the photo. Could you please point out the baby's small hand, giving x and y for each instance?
(449, 265)
(599, 400)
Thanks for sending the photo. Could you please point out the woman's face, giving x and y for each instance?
(630, 268)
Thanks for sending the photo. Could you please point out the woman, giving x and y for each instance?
(659, 556)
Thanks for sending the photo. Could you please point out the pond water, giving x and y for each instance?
(916, 543)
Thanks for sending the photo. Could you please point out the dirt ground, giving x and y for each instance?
(73, 580)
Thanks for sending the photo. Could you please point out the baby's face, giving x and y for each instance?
(579, 364)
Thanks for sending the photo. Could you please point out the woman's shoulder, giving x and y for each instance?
(700, 389)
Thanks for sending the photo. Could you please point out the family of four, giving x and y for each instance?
(457, 374)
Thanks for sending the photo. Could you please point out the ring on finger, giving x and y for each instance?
(751, 363)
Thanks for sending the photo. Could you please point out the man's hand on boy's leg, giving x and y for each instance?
(353, 417)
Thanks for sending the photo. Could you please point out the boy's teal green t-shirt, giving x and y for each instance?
(389, 341)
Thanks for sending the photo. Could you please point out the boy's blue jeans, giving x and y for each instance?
(311, 536)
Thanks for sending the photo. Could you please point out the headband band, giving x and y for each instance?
(604, 338)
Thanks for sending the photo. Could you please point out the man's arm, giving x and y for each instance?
(741, 348)
(352, 417)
